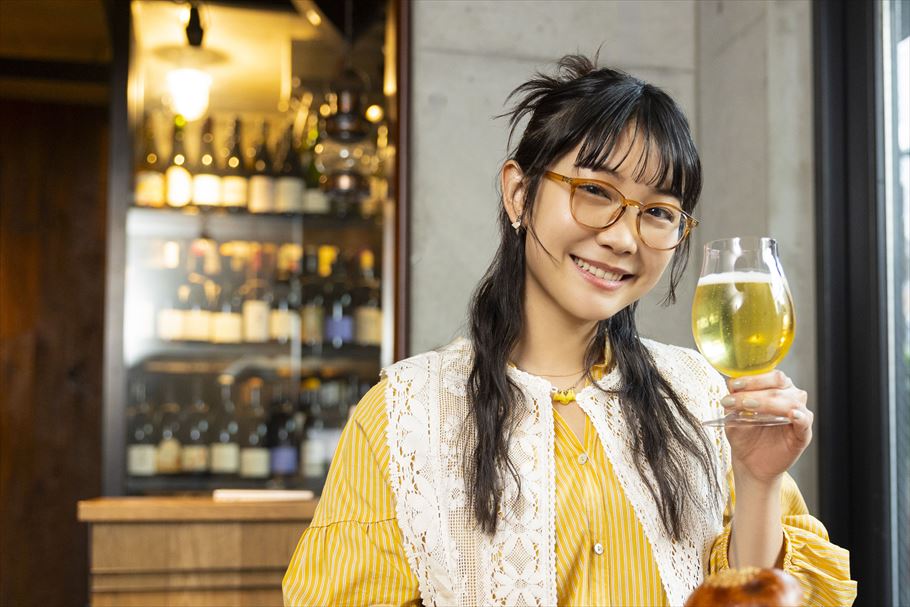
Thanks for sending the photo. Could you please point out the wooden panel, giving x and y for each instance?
(189, 598)
(187, 580)
(123, 509)
(138, 547)
(52, 254)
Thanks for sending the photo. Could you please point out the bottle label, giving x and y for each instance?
(313, 326)
(284, 460)
(197, 325)
(339, 330)
(169, 456)
(284, 325)
(227, 328)
(179, 186)
(313, 456)
(289, 195)
(368, 326)
(315, 201)
(206, 189)
(225, 458)
(149, 189)
(254, 462)
(262, 194)
(256, 320)
(170, 324)
(233, 191)
(194, 458)
(141, 460)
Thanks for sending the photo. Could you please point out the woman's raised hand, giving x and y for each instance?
(764, 453)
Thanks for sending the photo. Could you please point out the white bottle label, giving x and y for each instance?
(225, 458)
(234, 191)
(194, 458)
(315, 201)
(312, 325)
(284, 325)
(256, 320)
(179, 186)
(149, 189)
(227, 328)
(170, 324)
(197, 325)
(141, 460)
(206, 189)
(313, 456)
(289, 195)
(254, 462)
(368, 326)
(262, 194)
(169, 456)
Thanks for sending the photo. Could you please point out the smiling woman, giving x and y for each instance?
(556, 457)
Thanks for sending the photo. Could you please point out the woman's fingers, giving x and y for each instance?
(771, 379)
(775, 401)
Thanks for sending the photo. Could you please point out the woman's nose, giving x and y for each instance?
(622, 236)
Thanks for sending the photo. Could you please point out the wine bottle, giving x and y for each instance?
(284, 439)
(289, 183)
(368, 310)
(177, 176)
(206, 181)
(339, 320)
(194, 455)
(254, 452)
(225, 448)
(315, 200)
(262, 181)
(227, 319)
(313, 451)
(149, 185)
(312, 311)
(284, 319)
(197, 314)
(257, 301)
(142, 446)
(234, 178)
(169, 435)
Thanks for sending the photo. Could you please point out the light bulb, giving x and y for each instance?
(189, 89)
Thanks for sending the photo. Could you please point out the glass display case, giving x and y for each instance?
(253, 280)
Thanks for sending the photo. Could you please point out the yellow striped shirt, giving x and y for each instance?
(352, 553)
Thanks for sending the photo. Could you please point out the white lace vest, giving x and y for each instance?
(455, 563)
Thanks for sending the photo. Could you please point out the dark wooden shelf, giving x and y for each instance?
(181, 484)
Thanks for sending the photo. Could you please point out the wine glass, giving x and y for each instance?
(742, 316)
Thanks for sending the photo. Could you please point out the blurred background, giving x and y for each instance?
(314, 182)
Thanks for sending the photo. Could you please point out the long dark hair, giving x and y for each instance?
(585, 105)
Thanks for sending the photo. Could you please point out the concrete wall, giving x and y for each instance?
(742, 73)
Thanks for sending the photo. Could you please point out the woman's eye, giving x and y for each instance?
(663, 214)
(595, 190)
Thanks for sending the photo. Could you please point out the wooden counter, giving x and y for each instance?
(173, 551)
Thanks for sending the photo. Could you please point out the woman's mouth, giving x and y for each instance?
(606, 279)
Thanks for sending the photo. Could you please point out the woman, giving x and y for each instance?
(556, 457)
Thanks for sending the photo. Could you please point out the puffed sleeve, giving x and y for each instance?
(352, 553)
(822, 568)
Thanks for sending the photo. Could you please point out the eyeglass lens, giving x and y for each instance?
(599, 206)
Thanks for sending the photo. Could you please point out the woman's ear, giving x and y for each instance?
(513, 190)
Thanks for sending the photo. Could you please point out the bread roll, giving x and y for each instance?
(748, 587)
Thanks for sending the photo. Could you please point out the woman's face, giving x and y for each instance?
(572, 278)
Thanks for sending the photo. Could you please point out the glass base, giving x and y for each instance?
(745, 419)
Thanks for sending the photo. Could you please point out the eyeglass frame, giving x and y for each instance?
(574, 182)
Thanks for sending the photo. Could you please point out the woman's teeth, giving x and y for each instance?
(584, 265)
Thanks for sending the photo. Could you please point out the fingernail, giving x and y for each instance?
(749, 403)
(738, 384)
(796, 414)
(728, 400)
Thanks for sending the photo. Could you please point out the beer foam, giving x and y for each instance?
(725, 278)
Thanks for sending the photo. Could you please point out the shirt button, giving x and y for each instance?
(582, 459)
(598, 549)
